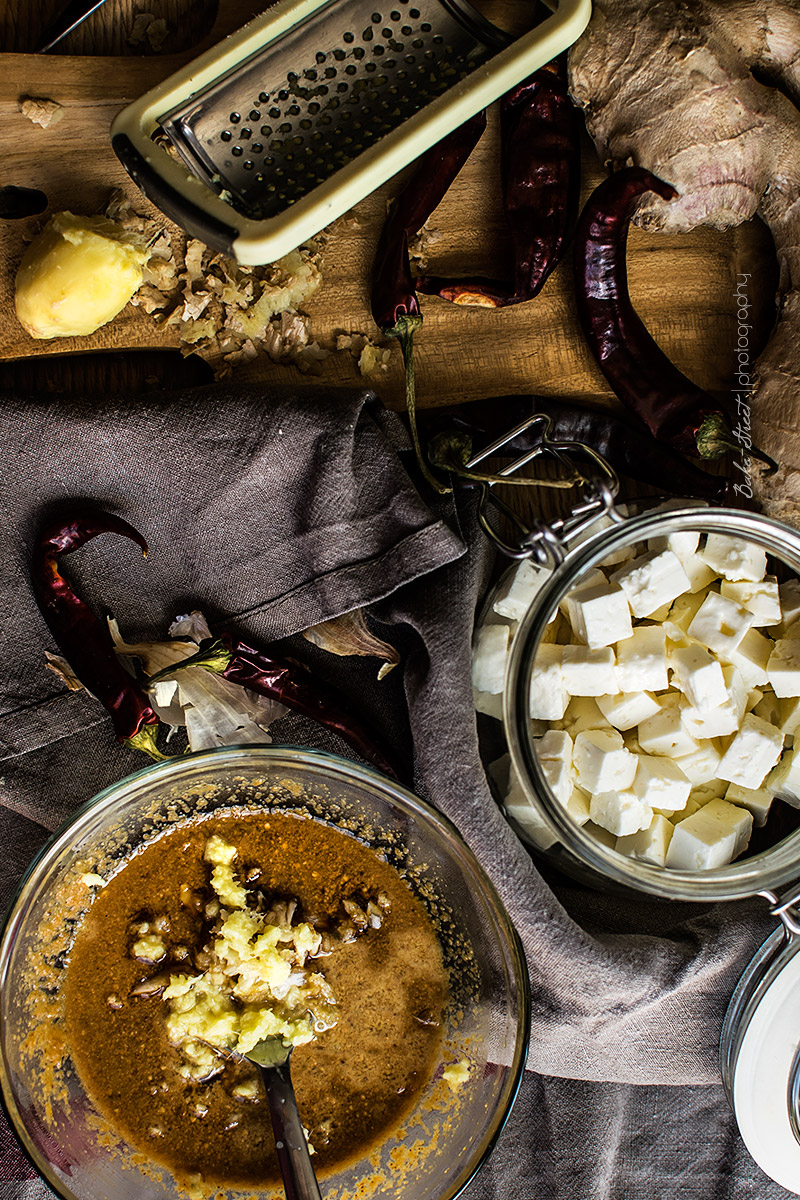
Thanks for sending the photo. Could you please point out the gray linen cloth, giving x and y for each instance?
(272, 512)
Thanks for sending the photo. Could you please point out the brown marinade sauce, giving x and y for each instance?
(354, 1083)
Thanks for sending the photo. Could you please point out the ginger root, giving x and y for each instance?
(704, 95)
(76, 276)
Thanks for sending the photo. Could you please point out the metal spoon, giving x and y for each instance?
(272, 1059)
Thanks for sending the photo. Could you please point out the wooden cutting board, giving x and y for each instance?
(682, 285)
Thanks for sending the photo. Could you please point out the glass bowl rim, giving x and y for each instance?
(341, 768)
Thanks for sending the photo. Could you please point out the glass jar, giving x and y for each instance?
(569, 844)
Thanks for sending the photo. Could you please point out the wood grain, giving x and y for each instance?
(682, 285)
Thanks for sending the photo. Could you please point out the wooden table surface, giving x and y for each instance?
(682, 285)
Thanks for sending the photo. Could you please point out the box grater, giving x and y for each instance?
(269, 136)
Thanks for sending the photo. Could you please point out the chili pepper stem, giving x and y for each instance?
(403, 330)
(714, 438)
(145, 740)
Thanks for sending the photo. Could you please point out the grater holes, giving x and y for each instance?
(330, 72)
(413, 12)
(347, 37)
(274, 113)
(418, 43)
(293, 110)
(366, 36)
(387, 33)
(339, 55)
(244, 134)
(341, 87)
(359, 52)
(256, 148)
(426, 27)
(395, 15)
(266, 130)
(237, 151)
(406, 31)
(254, 115)
(376, 18)
(226, 135)
(350, 70)
(371, 66)
(378, 50)
(248, 165)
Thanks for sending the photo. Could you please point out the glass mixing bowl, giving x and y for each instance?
(440, 1144)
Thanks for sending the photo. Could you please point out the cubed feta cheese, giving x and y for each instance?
(752, 753)
(699, 676)
(588, 672)
(734, 557)
(783, 668)
(701, 793)
(578, 805)
(699, 574)
(558, 776)
(789, 593)
(682, 612)
(768, 708)
(701, 765)
(711, 837)
(600, 835)
(548, 696)
(488, 703)
(665, 733)
(626, 709)
(786, 714)
(756, 800)
(684, 543)
(602, 762)
(642, 660)
(660, 783)
(582, 713)
(713, 723)
(651, 581)
(649, 845)
(519, 808)
(556, 743)
(519, 589)
(489, 658)
(591, 579)
(761, 599)
(620, 812)
(751, 657)
(600, 615)
(784, 780)
(719, 623)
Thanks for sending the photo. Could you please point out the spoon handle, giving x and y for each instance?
(299, 1180)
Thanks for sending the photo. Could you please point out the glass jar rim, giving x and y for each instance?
(770, 868)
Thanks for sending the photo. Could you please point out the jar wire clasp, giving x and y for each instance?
(578, 464)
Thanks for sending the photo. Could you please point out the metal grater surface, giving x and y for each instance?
(286, 119)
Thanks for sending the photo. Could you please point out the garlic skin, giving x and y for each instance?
(76, 276)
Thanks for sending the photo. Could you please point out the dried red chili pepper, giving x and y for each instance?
(290, 684)
(83, 640)
(540, 162)
(674, 409)
(632, 452)
(395, 308)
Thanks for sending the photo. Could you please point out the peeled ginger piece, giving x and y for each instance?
(76, 276)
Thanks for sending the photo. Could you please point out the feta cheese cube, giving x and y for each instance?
(692, 806)
(768, 708)
(649, 845)
(488, 703)
(734, 557)
(660, 783)
(682, 612)
(701, 793)
(519, 589)
(789, 594)
(752, 753)
(548, 696)
(519, 808)
(578, 805)
(626, 709)
(751, 657)
(592, 578)
(719, 623)
(783, 668)
(620, 812)
(651, 581)
(600, 835)
(556, 743)
(602, 762)
(712, 837)
(642, 660)
(787, 717)
(756, 800)
(582, 713)
(714, 722)
(558, 776)
(665, 732)
(684, 543)
(588, 672)
(600, 615)
(698, 676)
(698, 572)
(489, 658)
(701, 765)
(784, 781)
(761, 599)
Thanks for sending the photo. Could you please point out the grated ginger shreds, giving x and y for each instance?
(258, 984)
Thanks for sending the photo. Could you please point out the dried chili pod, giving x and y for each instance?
(540, 165)
(631, 451)
(395, 308)
(674, 409)
(84, 640)
(289, 683)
